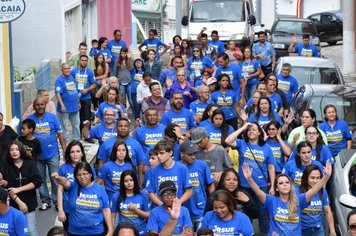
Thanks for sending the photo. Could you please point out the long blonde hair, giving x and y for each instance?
(292, 203)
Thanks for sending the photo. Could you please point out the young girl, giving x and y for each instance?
(280, 148)
(152, 65)
(264, 113)
(206, 118)
(109, 174)
(177, 51)
(136, 78)
(312, 215)
(102, 45)
(122, 71)
(130, 203)
(186, 50)
(101, 72)
(218, 130)
(21, 178)
(284, 209)
(74, 154)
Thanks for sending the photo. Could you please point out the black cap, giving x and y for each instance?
(3, 195)
(306, 36)
(167, 185)
(188, 147)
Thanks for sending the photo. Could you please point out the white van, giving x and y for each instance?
(233, 19)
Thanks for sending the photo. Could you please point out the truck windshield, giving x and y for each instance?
(218, 10)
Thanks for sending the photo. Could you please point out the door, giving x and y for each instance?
(331, 27)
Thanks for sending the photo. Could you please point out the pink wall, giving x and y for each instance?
(115, 14)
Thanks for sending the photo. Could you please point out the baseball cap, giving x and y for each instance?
(211, 81)
(167, 185)
(3, 195)
(188, 147)
(198, 134)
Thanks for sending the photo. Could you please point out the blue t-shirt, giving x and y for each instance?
(13, 223)
(159, 217)
(126, 215)
(102, 133)
(178, 174)
(153, 44)
(46, 132)
(93, 52)
(106, 52)
(67, 170)
(312, 213)
(149, 136)
(200, 177)
(226, 102)
(197, 108)
(184, 119)
(248, 68)
(264, 120)
(136, 79)
(278, 154)
(135, 150)
(196, 68)
(115, 48)
(276, 102)
(67, 88)
(323, 156)
(235, 74)
(306, 51)
(176, 155)
(337, 135)
(262, 154)
(104, 106)
(295, 173)
(214, 133)
(288, 85)
(110, 172)
(240, 224)
(83, 80)
(86, 210)
(278, 213)
(205, 123)
(218, 45)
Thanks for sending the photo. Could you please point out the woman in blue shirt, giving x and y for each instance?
(225, 219)
(130, 203)
(88, 203)
(264, 113)
(102, 43)
(227, 99)
(136, 79)
(284, 208)
(218, 130)
(337, 131)
(109, 174)
(197, 64)
(206, 118)
(280, 148)
(311, 217)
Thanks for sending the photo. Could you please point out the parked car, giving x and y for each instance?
(317, 96)
(283, 29)
(340, 194)
(311, 70)
(329, 26)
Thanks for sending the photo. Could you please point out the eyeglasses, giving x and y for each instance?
(82, 174)
(312, 133)
(168, 195)
(352, 227)
(283, 182)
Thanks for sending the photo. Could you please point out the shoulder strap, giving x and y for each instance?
(258, 164)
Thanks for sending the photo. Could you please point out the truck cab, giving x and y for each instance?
(233, 19)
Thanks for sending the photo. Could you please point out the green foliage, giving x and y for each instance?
(27, 75)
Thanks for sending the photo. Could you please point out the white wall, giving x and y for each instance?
(315, 6)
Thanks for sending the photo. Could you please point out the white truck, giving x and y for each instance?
(233, 19)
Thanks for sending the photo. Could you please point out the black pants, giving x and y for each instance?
(85, 112)
(267, 69)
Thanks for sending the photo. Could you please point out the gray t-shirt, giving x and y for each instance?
(217, 159)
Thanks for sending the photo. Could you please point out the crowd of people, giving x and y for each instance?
(202, 147)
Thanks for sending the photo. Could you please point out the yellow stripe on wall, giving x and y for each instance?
(7, 71)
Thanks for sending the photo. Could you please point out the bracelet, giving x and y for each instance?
(15, 198)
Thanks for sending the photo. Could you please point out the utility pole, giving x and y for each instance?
(348, 55)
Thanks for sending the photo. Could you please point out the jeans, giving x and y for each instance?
(73, 117)
(85, 112)
(249, 90)
(136, 106)
(53, 166)
(126, 91)
(313, 231)
(263, 223)
(31, 222)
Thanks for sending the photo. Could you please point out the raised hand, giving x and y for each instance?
(175, 210)
(328, 168)
(247, 171)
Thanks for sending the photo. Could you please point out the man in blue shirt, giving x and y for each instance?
(115, 46)
(216, 43)
(47, 131)
(67, 107)
(305, 49)
(264, 52)
(287, 83)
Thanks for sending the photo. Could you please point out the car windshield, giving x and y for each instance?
(215, 10)
(295, 27)
(315, 75)
(345, 107)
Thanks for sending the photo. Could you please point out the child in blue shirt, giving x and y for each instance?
(94, 48)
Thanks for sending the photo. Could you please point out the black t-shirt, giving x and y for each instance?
(6, 137)
(33, 147)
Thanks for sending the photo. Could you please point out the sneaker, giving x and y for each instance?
(44, 207)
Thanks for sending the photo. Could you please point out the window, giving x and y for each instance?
(315, 18)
